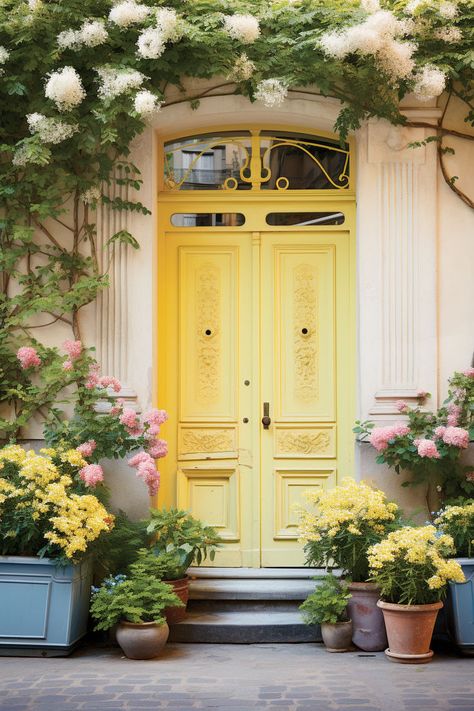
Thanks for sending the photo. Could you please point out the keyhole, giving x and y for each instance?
(304, 331)
(208, 331)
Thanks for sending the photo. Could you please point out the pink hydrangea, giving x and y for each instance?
(155, 417)
(469, 372)
(93, 376)
(67, 365)
(130, 420)
(87, 448)
(380, 436)
(138, 459)
(108, 381)
(427, 448)
(454, 413)
(457, 436)
(439, 432)
(401, 406)
(147, 471)
(158, 448)
(91, 474)
(73, 349)
(28, 357)
(152, 431)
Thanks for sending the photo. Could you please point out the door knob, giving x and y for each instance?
(266, 420)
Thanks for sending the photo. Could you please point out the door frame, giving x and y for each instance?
(255, 205)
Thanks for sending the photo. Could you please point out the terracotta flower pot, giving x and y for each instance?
(181, 589)
(337, 636)
(409, 630)
(368, 627)
(142, 641)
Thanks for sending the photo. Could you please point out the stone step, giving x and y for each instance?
(256, 573)
(252, 627)
(243, 605)
(250, 589)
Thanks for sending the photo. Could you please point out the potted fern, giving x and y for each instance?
(136, 604)
(327, 606)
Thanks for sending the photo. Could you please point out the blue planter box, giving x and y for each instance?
(44, 608)
(461, 608)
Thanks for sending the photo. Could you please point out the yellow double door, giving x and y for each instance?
(255, 371)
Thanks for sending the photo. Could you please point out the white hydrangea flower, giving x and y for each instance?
(429, 83)
(34, 4)
(242, 69)
(114, 82)
(4, 54)
(244, 28)
(396, 59)
(151, 43)
(363, 39)
(385, 23)
(91, 196)
(413, 6)
(69, 39)
(50, 130)
(146, 103)
(128, 13)
(335, 44)
(93, 33)
(64, 87)
(370, 6)
(448, 34)
(169, 24)
(448, 10)
(272, 92)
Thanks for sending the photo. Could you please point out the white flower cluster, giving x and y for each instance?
(242, 69)
(370, 6)
(50, 130)
(91, 34)
(146, 103)
(272, 92)
(244, 28)
(4, 54)
(23, 155)
(169, 24)
(379, 35)
(34, 4)
(151, 43)
(448, 34)
(91, 195)
(448, 10)
(429, 82)
(114, 82)
(64, 87)
(128, 13)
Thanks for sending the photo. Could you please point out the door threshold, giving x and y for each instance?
(257, 573)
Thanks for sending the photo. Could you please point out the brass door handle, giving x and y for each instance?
(266, 420)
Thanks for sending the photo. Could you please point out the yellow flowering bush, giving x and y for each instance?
(458, 521)
(44, 507)
(410, 565)
(343, 524)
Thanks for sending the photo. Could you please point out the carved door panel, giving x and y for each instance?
(209, 324)
(304, 296)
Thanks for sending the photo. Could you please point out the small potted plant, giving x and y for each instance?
(412, 572)
(346, 521)
(457, 520)
(327, 606)
(180, 540)
(136, 604)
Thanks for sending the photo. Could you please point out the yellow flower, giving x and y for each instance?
(73, 457)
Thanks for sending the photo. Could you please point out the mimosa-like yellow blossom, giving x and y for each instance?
(73, 457)
(458, 522)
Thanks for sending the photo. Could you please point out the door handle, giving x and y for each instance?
(266, 420)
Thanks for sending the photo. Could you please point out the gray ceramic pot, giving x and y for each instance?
(367, 620)
(142, 641)
(338, 636)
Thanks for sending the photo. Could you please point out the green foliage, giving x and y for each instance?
(163, 566)
(117, 549)
(178, 533)
(446, 472)
(135, 599)
(328, 603)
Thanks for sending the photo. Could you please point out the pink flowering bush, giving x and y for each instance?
(429, 444)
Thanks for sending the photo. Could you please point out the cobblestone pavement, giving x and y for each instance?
(298, 677)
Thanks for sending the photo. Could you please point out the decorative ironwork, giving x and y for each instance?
(256, 161)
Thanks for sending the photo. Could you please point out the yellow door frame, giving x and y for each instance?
(255, 205)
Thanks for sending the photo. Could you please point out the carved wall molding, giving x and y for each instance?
(303, 443)
(305, 343)
(207, 441)
(208, 332)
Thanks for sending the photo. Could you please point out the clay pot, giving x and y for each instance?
(181, 589)
(368, 627)
(337, 636)
(409, 630)
(142, 641)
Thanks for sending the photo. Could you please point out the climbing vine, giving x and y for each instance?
(79, 80)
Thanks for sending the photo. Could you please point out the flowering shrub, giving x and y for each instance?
(347, 520)
(458, 522)
(429, 445)
(410, 565)
(45, 508)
